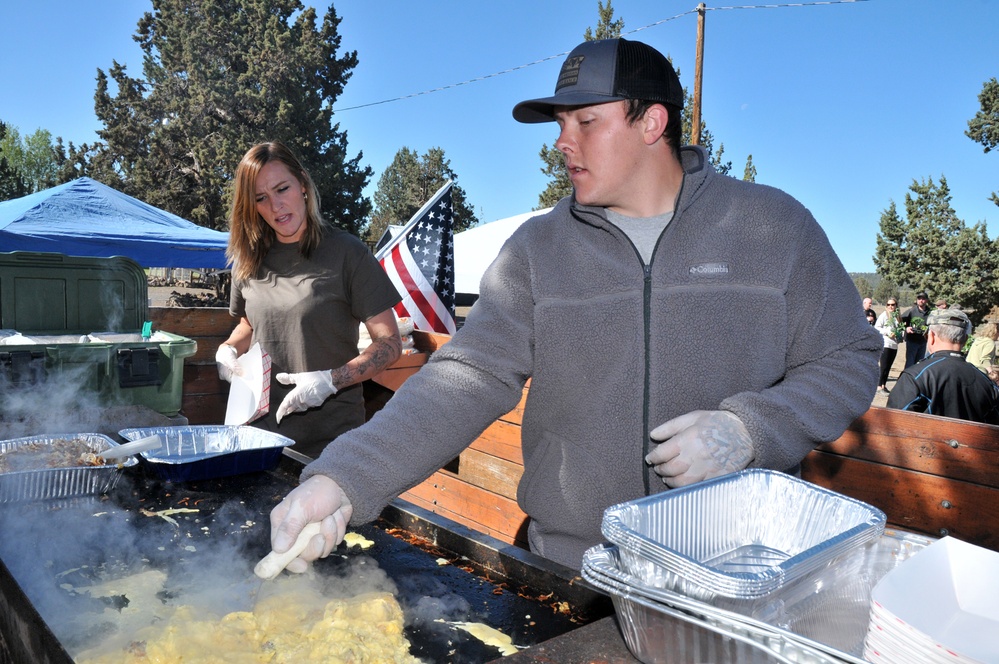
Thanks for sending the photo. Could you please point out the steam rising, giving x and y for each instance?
(124, 571)
(41, 403)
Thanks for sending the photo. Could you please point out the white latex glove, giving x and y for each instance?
(700, 445)
(317, 499)
(312, 388)
(225, 362)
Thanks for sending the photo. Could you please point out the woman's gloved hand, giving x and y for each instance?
(225, 362)
(312, 388)
(316, 500)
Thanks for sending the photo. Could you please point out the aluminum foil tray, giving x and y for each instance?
(823, 617)
(741, 535)
(205, 452)
(659, 634)
(50, 483)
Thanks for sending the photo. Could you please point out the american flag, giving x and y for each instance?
(420, 262)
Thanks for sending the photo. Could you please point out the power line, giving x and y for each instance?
(564, 53)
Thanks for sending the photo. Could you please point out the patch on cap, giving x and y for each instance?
(570, 71)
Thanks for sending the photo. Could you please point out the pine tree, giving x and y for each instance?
(933, 250)
(218, 77)
(886, 289)
(12, 184)
(32, 157)
(749, 174)
(863, 286)
(891, 254)
(984, 127)
(408, 183)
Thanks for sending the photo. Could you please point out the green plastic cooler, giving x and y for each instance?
(83, 322)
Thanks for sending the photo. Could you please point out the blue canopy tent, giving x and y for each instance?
(87, 218)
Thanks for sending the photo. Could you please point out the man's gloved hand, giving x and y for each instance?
(225, 362)
(317, 499)
(700, 445)
(312, 388)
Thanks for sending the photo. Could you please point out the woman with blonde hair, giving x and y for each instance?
(301, 288)
(983, 347)
(890, 327)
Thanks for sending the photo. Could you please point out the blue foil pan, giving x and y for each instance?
(204, 452)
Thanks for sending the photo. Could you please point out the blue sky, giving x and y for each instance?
(841, 105)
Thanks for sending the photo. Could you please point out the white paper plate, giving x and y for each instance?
(946, 595)
(246, 390)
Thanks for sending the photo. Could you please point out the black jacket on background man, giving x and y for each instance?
(945, 384)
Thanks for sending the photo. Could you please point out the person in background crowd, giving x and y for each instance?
(301, 288)
(868, 311)
(684, 268)
(888, 325)
(941, 303)
(915, 329)
(982, 353)
(944, 383)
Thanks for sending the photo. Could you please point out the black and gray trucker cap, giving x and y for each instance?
(606, 70)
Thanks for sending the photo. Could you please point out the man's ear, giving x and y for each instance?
(654, 123)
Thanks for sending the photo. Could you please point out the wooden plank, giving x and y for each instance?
(501, 439)
(940, 446)
(488, 472)
(473, 506)
(209, 327)
(912, 500)
(394, 376)
(516, 416)
(459, 518)
(193, 321)
(429, 341)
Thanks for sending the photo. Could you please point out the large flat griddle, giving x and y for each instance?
(438, 568)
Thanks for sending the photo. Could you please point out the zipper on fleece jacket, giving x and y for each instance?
(646, 306)
(647, 323)
(646, 335)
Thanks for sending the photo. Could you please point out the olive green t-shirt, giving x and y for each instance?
(305, 313)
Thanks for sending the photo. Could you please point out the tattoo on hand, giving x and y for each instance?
(728, 442)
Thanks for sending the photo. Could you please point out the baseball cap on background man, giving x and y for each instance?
(922, 296)
(605, 70)
(954, 317)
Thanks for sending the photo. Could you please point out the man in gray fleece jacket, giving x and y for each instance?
(676, 325)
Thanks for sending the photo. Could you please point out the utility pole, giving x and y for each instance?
(695, 112)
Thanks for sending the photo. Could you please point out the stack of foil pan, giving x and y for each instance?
(69, 482)
(821, 618)
(743, 535)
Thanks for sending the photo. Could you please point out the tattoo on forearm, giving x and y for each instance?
(375, 358)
